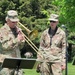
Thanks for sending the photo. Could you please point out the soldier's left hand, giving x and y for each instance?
(63, 67)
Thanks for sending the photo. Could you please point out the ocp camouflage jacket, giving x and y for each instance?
(56, 51)
(9, 44)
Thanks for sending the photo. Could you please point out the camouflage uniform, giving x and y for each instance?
(9, 47)
(54, 54)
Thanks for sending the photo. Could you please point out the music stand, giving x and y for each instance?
(18, 63)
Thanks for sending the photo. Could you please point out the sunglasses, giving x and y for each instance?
(14, 22)
(53, 21)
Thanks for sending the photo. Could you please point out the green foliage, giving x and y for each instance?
(44, 14)
(25, 9)
(35, 7)
(0, 25)
(71, 38)
(69, 14)
(41, 24)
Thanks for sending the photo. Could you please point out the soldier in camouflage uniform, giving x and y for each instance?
(53, 49)
(11, 41)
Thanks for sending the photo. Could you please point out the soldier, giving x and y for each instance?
(53, 49)
(11, 41)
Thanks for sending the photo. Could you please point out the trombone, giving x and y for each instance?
(28, 40)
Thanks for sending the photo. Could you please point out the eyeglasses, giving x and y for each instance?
(53, 21)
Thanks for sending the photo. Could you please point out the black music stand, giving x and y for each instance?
(18, 63)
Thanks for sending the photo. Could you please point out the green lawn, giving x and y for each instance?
(71, 70)
(31, 72)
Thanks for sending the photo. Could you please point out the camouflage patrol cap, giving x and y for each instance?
(12, 15)
(53, 17)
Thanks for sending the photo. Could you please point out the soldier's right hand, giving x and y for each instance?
(2, 57)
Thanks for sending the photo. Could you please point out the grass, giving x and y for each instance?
(70, 71)
(31, 72)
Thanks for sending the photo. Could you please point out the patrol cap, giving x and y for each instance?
(12, 15)
(53, 17)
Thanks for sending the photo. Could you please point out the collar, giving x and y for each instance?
(55, 31)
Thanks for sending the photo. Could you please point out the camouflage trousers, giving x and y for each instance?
(50, 68)
(6, 71)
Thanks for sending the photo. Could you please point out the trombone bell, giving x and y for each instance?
(31, 34)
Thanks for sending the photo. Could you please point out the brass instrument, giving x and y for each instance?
(29, 41)
(31, 34)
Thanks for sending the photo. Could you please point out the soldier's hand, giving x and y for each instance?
(63, 67)
(20, 37)
(2, 57)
